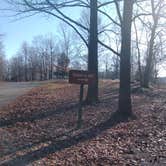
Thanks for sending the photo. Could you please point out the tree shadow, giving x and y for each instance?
(57, 145)
(39, 115)
(69, 105)
(70, 108)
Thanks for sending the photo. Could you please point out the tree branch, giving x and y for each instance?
(106, 46)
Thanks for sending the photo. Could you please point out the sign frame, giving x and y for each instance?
(81, 77)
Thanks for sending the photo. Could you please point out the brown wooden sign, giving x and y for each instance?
(81, 77)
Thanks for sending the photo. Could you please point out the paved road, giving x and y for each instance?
(11, 90)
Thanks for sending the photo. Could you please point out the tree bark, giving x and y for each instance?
(92, 95)
(125, 107)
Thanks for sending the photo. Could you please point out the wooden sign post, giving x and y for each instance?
(79, 121)
(81, 77)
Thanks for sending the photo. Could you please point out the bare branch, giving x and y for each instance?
(106, 46)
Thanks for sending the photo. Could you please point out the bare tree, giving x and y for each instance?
(157, 7)
(62, 64)
(148, 25)
(34, 62)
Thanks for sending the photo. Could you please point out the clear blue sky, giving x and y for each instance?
(24, 30)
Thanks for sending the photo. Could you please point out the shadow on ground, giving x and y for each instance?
(66, 138)
(38, 115)
(68, 106)
(57, 145)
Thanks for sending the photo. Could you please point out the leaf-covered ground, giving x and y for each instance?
(39, 128)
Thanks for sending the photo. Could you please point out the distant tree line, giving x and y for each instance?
(47, 58)
(39, 61)
(2, 61)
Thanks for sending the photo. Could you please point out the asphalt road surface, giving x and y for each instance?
(11, 90)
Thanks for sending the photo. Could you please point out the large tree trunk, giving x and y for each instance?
(92, 95)
(125, 107)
